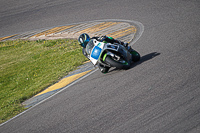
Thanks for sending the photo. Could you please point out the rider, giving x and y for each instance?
(85, 38)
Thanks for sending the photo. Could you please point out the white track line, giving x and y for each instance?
(141, 26)
(51, 96)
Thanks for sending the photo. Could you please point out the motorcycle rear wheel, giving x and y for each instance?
(117, 64)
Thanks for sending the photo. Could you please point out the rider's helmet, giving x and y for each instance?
(84, 39)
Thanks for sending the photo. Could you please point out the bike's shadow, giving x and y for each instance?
(142, 60)
(145, 58)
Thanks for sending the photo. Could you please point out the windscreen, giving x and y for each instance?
(89, 47)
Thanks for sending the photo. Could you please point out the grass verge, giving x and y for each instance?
(28, 67)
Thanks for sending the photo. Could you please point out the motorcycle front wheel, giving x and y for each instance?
(117, 64)
(135, 55)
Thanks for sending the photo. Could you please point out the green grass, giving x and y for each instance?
(28, 67)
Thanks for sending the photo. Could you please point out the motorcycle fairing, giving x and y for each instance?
(96, 52)
(112, 47)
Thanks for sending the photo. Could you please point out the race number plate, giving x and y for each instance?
(96, 52)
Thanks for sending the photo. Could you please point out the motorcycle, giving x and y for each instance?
(110, 55)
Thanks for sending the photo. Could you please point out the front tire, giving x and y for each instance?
(117, 64)
(135, 55)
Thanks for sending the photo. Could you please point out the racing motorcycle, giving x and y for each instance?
(110, 55)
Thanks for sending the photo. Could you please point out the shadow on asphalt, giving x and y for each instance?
(145, 58)
(142, 59)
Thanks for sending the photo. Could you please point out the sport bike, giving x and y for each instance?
(111, 55)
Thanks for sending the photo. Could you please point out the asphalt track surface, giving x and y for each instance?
(158, 94)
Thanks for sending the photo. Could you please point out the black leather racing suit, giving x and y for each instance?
(108, 40)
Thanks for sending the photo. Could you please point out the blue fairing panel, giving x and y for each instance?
(96, 52)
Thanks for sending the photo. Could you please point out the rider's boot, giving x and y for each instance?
(103, 69)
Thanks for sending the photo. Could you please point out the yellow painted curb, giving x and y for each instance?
(53, 30)
(3, 38)
(64, 82)
(122, 30)
(98, 27)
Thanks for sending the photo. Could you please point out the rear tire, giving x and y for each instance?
(117, 64)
